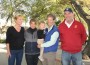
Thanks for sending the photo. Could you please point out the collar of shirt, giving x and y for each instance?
(50, 28)
(68, 25)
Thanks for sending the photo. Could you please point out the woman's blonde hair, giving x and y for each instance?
(16, 17)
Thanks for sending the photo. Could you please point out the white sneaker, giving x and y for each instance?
(40, 58)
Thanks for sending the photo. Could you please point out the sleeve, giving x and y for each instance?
(83, 34)
(52, 41)
(8, 35)
(23, 32)
(25, 35)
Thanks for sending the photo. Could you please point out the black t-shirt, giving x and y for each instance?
(41, 34)
(15, 39)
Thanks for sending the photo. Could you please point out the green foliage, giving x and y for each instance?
(13, 7)
(40, 8)
(34, 8)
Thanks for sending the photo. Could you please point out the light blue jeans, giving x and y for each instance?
(67, 58)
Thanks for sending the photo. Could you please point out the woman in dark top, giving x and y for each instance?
(15, 42)
(31, 50)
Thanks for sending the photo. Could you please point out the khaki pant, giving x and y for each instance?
(49, 58)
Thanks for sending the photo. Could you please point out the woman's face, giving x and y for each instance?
(33, 25)
(19, 21)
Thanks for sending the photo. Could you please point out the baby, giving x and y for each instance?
(41, 36)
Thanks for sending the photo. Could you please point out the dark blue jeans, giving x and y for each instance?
(67, 58)
(16, 55)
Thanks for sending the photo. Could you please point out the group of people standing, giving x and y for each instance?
(42, 43)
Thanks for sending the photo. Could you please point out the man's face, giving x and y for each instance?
(50, 21)
(68, 15)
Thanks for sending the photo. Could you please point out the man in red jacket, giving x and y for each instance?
(72, 37)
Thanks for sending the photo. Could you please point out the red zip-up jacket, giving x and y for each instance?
(72, 38)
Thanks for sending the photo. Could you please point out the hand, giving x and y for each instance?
(8, 54)
(39, 45)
